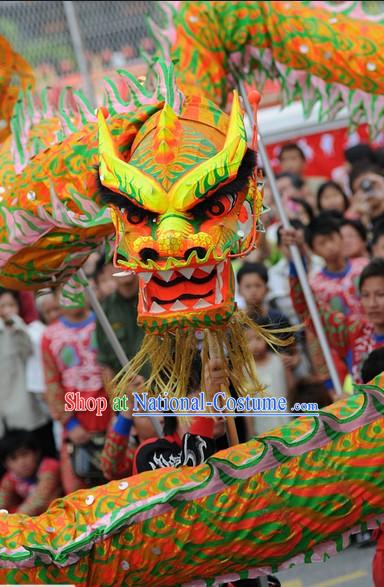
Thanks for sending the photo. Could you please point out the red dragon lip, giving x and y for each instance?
(188, 289)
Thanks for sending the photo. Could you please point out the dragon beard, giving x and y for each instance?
(171, 356)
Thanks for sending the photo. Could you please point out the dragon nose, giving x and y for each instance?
(200, 252)
(147, 254)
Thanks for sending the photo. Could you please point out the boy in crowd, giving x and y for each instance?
(70, 365)
(335, 286)
(120, 307)
(105, 283)
(351, 337)
(30, 482)
(355, 239)
(252, 279)
(292, 160)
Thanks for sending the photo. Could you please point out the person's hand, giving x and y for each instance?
(215, 376)
(290, 361)
(218, 426)
(135, 385)
(79, 435)
(107, 375)
(359, 204)
(290, 236)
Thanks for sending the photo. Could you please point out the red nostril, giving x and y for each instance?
(200, 252)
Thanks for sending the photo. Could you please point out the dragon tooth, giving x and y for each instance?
(165, 275)
(156, 308)
(201, 304)
(207, 268)
(177, 306)
(187, 272)
(145, 276)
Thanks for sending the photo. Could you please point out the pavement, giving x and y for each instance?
(351, 568)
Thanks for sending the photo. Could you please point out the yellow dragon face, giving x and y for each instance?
(184, 199)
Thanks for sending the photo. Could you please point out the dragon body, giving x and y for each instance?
(291, 496)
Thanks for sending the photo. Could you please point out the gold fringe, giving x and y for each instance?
(171, 355)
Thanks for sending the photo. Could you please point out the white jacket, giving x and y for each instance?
(17, 407)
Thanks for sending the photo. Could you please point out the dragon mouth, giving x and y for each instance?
(189, 289)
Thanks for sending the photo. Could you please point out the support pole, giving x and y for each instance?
(295, 254)
(74, 30)
(230, 424)
(110, 334)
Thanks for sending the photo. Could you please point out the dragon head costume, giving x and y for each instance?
(184, 202)
(177, 179)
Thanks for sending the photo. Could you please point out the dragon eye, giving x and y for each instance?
(215, 206)
(135, 215)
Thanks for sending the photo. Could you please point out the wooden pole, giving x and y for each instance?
(214, 353)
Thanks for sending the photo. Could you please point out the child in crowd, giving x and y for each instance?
(355, 239)
(103, 278)
(17, 410)
(335, 286)
(331, 198)
(293, 161)
(273, 374)
(278, 276)
(252, 279)
(48, 311)
(302, 211)
(70, 365)
(367, 202)
(352, 338)
(30, 482)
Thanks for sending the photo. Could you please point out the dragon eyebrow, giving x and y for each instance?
(244, 173)
(236, 185)
(111, 198)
